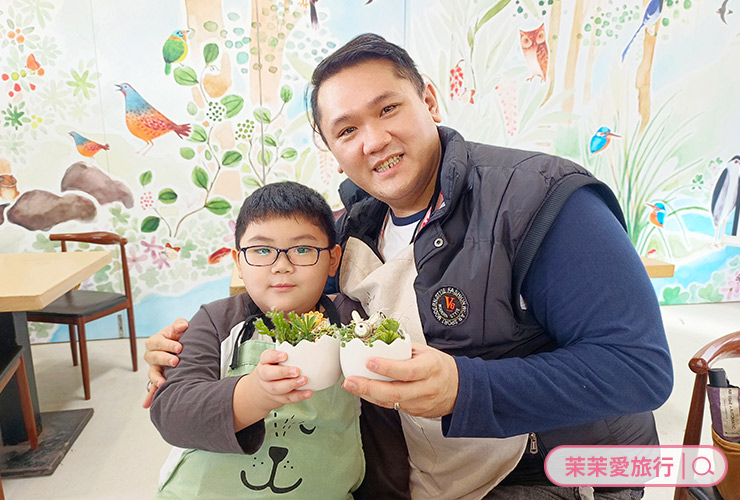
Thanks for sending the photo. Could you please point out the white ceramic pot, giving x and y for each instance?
(354, 354)
(318, 361)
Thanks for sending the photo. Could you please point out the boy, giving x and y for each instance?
(228, 396)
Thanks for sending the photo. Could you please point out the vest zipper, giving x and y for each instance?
(533, 443)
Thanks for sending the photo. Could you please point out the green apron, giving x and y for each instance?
(312, 450)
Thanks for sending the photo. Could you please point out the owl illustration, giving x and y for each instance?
(534, 46)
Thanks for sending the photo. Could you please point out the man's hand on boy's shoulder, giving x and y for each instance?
(161, 351)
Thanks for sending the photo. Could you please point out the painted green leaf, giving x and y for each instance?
(289, 154)
(146, 178)
(200, 177)
(251, 183)
(210, 52)
(208, 155)
(270, 140)
(187, 153)
(210, 26)
(264, 157)
(199, 134)
(167, 196)
(674, 295)
(186, 76)
(231, 158)
(149, 224)
(218, 206)
(286, 93)
(233, 104)
(192, 108)
(262, 115)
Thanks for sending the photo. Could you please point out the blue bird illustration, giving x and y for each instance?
(726, 198)
(601, 139)
(657, 216)
(652, 13)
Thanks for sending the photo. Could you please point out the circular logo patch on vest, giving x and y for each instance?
(449, 305)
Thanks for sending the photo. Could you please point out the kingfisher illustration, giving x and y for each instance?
(652, 13)
(86, 147)
(601, 139)
(174, 50)
(657, 216)
(726, 198)
(144, 121)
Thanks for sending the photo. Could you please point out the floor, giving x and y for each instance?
(119, 453)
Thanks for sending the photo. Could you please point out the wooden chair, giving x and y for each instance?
(77, 307)
(11, 363)
(722, 348)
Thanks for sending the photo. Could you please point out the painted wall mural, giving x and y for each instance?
(155, 119)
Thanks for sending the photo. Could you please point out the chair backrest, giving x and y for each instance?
(721, 348)
(100, 238)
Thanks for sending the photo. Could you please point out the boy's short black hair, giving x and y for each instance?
(286, 199)
(365, 47)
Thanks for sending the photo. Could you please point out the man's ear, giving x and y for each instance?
(235, 256)
(432, 102)
(335, 257)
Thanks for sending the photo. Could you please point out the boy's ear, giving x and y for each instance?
(335, 257)
(235, 256)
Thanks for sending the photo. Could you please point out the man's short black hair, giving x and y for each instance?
(286, 199)
(365, 47)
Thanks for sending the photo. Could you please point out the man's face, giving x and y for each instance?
(284, 286)
(382, 133)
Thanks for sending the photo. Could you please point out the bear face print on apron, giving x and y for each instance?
(312, 450)
(461, 468)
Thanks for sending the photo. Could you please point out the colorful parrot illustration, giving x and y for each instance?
(657, 216)
(144, 121)
(86, 147)
(601, 139)
(174, 50)
(652, 13)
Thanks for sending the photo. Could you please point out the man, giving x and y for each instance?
(535, 321)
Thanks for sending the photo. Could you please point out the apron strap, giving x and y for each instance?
(330, 309)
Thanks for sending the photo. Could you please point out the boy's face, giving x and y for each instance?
(382, 133)
(284, 286)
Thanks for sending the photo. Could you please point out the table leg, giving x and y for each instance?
(13, 332)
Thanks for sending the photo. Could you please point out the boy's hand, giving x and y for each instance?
(161, 351)
(277, 385)
(267, 388)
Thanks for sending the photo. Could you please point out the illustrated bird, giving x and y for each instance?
(657, 216)
(652, 13)
(601, 139)
(86, 147)
(144, 121)
(534, 47)
(726, 198)
(724, 11)
(174, 50)
(314, 15)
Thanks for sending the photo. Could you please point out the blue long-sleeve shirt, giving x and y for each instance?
(589, 290)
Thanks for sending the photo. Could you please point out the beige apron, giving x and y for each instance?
(465, 468)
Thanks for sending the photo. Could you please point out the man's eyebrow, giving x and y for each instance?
(377, 100)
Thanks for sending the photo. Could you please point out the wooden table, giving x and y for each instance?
(655, 269)
(31, 281)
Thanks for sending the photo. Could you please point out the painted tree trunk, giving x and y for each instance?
(573, 51)
(644, 74)
(552, 36)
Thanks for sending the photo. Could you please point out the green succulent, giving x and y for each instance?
(307, 326)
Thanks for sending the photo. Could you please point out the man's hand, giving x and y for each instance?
(425, 385)
(161, 351)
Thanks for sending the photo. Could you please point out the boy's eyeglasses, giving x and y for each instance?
(265, 255)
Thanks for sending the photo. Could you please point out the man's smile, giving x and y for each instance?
(388, 163)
